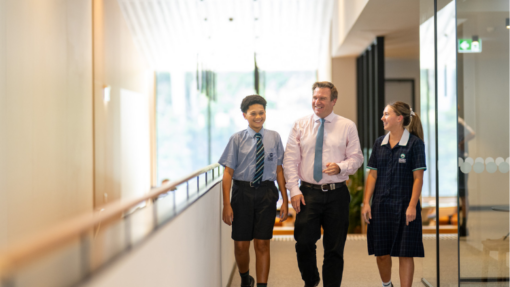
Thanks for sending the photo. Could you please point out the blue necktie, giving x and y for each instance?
(259, 161)
(317, 164)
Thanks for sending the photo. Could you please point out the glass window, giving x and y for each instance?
(181, 112)
(227, 117)
(289, 97)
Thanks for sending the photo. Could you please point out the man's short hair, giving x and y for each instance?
(334, 91)
(252, 100)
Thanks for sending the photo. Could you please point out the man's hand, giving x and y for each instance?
(367, 213)
(296, 201)
(284, 211)
(228, 215)
(331, 168)
(410, 214)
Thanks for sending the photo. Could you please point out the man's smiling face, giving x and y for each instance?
(321, 102)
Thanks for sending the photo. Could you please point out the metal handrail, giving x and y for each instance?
(29, 249)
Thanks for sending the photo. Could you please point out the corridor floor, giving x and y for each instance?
(360, 269)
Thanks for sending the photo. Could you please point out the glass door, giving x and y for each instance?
(464, 63)
(483, 141)
(427, 114)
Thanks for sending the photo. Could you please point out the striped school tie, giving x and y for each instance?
(259, 162)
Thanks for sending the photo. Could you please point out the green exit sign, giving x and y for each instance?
(468, 46)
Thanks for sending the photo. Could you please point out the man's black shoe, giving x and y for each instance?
(314, 285)
(252, 283)
(463, 231)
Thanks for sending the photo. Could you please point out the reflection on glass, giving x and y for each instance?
(473, 139)
(483, 141)
(464, 135)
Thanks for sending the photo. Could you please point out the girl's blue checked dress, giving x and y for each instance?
(388, 233)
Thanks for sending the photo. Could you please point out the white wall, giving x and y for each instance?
(344, 78)
(134, 143)
(343, 71)
(324, 70)
(195, 249)
(118, 63)
(345, 14)
(405, 68)
(45, 114)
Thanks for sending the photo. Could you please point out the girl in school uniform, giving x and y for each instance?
(395, 181)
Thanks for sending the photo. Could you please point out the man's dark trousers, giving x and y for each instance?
(330, 210)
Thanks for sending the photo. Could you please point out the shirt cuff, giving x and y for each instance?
(343, 167)
(295, 191)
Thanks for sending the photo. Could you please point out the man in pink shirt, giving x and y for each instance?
(322, 151)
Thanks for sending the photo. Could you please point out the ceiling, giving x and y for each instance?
(224, 35)
(396, 20)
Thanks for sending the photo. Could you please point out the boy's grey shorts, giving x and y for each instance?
(254, 210)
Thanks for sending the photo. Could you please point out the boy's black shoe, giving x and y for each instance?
(314, 285)
(252, 283)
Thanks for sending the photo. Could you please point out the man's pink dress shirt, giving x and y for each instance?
(341, 146)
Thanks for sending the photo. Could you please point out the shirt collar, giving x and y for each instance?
(328, 119)
(252, 133)
(403, 140)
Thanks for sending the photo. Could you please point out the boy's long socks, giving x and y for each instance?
(261, 284)
(245, 278)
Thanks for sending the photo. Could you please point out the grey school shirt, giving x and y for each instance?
(239, 154)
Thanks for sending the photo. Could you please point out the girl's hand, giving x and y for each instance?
(367, 213)
(410, 214)
(228, 215)
(284, 211)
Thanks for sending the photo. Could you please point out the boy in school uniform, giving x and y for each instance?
(253, 158)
